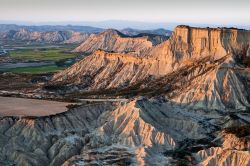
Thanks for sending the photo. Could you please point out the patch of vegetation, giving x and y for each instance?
(72, 106)
(60, 55)
(183, 155)
(52, 54)
(36, 69)
(12, 82)
(241, 131)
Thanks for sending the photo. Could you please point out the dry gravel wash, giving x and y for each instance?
(10, 106)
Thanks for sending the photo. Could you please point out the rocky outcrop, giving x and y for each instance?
(114, 41)
(45, 37)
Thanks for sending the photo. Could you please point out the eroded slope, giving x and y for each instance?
(139, 132)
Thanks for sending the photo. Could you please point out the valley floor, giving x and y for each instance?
(21, 107)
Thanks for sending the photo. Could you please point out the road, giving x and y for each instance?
(102, 100)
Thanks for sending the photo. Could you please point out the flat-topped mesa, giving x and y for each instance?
(191, 42)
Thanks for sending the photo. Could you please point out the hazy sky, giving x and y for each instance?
(195, 11)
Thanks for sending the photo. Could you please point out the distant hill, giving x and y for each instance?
(132, 32)
(25, 35)
(50, 28)
(112, 40)
(106, 39)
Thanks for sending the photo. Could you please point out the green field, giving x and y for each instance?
(53, 54)
(59, 55)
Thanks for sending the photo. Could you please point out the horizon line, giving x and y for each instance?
(156, 25)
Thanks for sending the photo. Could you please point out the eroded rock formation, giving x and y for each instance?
(139, 132)
(209, 67)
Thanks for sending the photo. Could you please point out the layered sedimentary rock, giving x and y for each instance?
(114, 41)
(187, 42)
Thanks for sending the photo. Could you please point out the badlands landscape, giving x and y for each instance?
(127, 97)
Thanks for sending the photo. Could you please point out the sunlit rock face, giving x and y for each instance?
(187, 43)
(198, 42)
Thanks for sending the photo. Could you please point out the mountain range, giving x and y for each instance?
(123, 24)
(69, 34)
(44, 37)
(49, 28)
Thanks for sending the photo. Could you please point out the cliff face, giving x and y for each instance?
(114, 41)
(187, 42)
